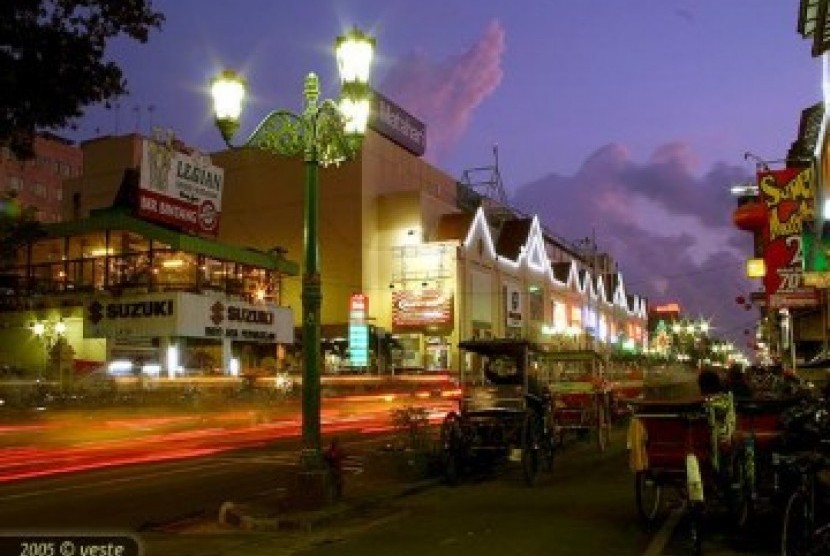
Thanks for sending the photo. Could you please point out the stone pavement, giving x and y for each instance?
(269, 524)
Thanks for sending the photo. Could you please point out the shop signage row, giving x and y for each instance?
(182, 314)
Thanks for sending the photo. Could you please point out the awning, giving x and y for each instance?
(119, 219)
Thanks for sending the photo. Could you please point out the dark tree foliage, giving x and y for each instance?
(18, 226)
(52, 61)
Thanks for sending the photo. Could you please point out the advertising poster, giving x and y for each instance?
(789, 198)
(183, 190)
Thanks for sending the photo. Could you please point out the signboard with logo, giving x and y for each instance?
(397, 125)
(187, 315)
(184, 190)
(789, 197)
(421, 308)
(513, 306)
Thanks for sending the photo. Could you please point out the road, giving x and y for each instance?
(585, 506)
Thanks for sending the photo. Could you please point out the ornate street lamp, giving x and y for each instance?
(326, 132)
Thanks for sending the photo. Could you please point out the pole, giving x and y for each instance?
(311, 297)
(311, 293)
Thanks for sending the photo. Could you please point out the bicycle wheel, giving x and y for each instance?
(649, 494)
(696, 529)
(530, 449)
(739, 494)
(798, 525)
(451, 448)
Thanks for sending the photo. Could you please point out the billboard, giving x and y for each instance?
(421, 308)
(790, 201)
(179, 189)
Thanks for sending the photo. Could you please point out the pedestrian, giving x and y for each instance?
(335, 457)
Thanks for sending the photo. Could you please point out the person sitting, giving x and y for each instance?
(738, 385)
(720, 410)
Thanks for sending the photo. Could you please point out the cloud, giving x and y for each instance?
(669, 228)
(445, 94)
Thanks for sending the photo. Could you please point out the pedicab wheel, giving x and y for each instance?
(740, 500)
(547, 444)
(603, 427)
(649, 495)
(530, 449)
(695, 529)
(796, 528)
(451, 447)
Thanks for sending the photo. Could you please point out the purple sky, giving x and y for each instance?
(648, 103)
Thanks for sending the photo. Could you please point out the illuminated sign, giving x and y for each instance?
(417, 309)
(789, 198)
(184, 190)
(359, 345)
(666, 308)
(358, 330)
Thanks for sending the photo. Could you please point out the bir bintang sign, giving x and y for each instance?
(183, 190)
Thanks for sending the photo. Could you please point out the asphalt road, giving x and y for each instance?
(585, 506)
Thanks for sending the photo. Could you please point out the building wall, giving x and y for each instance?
(106, 159)
(39, 182)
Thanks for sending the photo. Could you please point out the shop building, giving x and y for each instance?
(138, 293)
(412, 261)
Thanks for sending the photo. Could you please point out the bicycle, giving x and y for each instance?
(803, 511)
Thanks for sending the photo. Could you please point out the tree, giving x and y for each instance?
(18, 227)
(52, 61)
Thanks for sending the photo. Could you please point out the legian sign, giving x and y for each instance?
(184, 190)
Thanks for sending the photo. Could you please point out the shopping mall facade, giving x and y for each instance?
(412, 262)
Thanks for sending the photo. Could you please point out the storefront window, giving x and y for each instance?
(437, 353)
(406, 352)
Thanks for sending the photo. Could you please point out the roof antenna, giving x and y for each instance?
(759, 162)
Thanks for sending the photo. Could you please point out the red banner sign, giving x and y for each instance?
(790, 200)
(417, 309)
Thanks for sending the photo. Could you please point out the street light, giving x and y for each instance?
(325, 133)
(50, 334)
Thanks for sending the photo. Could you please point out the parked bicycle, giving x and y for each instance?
(802, 478)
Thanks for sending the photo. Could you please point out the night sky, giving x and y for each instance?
(623, 120)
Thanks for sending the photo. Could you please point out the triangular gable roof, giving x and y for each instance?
(522, 242)
(480, 230)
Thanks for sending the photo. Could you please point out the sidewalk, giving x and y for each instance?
(265, 526)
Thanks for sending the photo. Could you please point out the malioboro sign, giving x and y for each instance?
(183, 190)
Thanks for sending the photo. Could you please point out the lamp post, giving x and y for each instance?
(326, 132)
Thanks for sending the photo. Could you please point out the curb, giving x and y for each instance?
(240, 516)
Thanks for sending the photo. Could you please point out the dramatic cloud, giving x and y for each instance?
(669, 229)
(445, 94)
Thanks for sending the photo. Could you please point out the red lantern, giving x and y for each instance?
(751, 216)
(740, 300)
